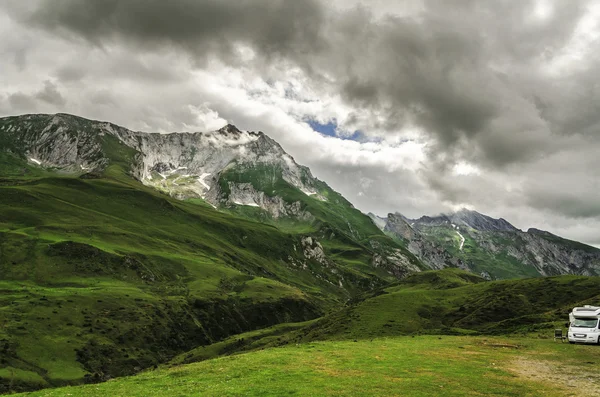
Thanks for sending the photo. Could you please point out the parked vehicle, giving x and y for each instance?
(584, 325)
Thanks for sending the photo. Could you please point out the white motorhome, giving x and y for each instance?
(584, 327)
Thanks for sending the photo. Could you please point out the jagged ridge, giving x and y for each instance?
(491, 247)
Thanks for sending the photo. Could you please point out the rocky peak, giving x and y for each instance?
(229, 129)
(481, 222)
(399, 225)
(466, 218)
(181, 164)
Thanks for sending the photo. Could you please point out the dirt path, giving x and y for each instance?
(572, 380)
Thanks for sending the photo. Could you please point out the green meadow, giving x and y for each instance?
(398, 366)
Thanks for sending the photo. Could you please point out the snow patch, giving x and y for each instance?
(248, 204)
(38, 162)
(307, 192)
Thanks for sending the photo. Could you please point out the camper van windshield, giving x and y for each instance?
(585, 322)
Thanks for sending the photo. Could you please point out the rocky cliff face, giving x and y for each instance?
(54, 141)
(189, 164)
(491, 247)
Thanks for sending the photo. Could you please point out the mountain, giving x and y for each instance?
(114, 259)
(491, 247)
(243, 173)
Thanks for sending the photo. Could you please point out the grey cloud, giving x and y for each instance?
(379, 192)
(103, 98)
(204, 27)
(570, 204)
(70, 73)
(51, 95)
(48, 96)
(449, 69)
(20, 59)
(456, 76)
(21, 103)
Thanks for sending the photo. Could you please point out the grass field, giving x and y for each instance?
(400, 366)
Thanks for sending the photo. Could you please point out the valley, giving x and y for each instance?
(125, 253)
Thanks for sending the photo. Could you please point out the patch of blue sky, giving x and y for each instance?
(331, 129)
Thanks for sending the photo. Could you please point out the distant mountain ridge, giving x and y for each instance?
(491, 247)
(472, 219)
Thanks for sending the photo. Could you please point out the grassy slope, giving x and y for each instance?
(81, 258)
(346, 234)
(336, 212)
(436, 302)
(452, 301)
(401, 366)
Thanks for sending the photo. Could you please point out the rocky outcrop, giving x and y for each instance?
(312, 249)
(398, 226)
(277, 207)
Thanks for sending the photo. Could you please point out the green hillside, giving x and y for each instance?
(102, 276)
(506, 330)
(345, 233)
(446, 302)
(451, 301)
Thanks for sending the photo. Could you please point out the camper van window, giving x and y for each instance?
(585, 322)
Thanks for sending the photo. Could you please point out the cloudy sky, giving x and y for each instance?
(415, 106)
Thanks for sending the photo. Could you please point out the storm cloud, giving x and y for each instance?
(492, 105)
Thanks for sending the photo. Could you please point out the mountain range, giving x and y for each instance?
(490, 247)
(120, 249)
